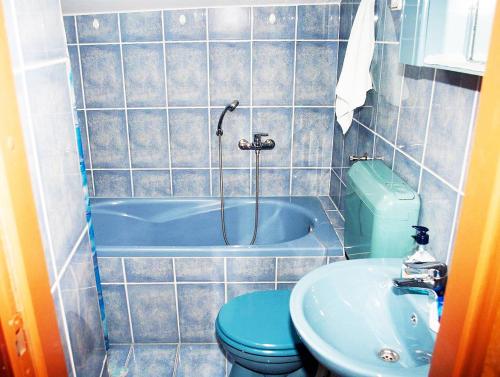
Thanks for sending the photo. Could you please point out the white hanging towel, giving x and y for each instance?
(355, 79)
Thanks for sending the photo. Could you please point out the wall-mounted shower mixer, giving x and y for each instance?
(257, 146)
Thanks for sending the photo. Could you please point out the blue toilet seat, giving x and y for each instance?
(259, 323)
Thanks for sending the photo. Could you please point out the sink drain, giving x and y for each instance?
(388, 355)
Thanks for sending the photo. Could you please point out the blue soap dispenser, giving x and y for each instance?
(421, 253)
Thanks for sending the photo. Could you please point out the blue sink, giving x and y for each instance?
(356, 324)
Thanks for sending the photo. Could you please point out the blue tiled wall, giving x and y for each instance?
(420, 120)
(185, 294)
(41, 65)
(153, 84)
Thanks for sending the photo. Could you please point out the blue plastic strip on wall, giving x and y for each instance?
(88, 214)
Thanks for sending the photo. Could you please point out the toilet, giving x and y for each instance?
(257, 332)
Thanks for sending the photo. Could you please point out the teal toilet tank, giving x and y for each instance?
(380, 209)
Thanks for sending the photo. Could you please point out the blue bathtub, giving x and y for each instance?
(173, 227)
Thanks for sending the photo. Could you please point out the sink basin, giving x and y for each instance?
(356, 324)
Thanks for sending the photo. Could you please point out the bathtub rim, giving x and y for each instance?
(322, 241)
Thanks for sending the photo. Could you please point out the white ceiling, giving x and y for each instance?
(103, 6)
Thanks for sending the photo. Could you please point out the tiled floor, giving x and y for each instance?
(167, 360)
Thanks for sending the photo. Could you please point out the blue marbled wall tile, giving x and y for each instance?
(230, 73)
(144, 75)
(335, 219)
(112, 183)
(273, 182)
(392, 24)
(148, 133)
(84, 327)
(39, 37)
(199, 305)
(415, 103)
(318, 22)
(285, 286)
(146, 360)
(199, 269)
(229, 23)
(316, 75)
(187, 74)
(236, 182)
(380, 6)
(272, 73)
(148, 270)
(117, 358)
(340, 57)
(108, 138)
(151, 183)
(335, 189)
(350, 143)
(251, 269)
(293, 269)
(48, 100)
(366, 139)
(102, 76)
(189, 140)
(313, 137)
(62, 331)
(141, 26)
(274, 22)
(347, 14)
(90, 183)
(407, 170)
(80, 270)
(191, 182)
(79, 297)
(238, 289)
(236, 126)
(376, 67)
(116, 313)
(160, 300)
(98, 28)
(201, 360)
(83, 132)
(110, 270)
(277, 122)
(185, 25)
(338, 146)
(449, 124)
(385, 150)
(310, 182)
(364, 115)
(326, 203)
(436, 213)
(75, 71)
(389, 93)
(69, 28)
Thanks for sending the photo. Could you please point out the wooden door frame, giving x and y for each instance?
(473, 295)
(25, 298)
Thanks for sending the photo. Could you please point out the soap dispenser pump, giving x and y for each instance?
(421, 253)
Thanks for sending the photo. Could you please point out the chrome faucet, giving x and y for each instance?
(257, 144)
(423, 277)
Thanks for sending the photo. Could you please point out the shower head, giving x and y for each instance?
(231, 107)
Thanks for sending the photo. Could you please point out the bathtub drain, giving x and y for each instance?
(388, 355)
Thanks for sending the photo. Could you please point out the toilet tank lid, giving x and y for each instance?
(380, 188)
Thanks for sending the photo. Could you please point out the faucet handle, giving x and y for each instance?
(257, 137)
(437, 268)
(244, 144)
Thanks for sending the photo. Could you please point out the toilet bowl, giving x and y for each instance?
(257, 332)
